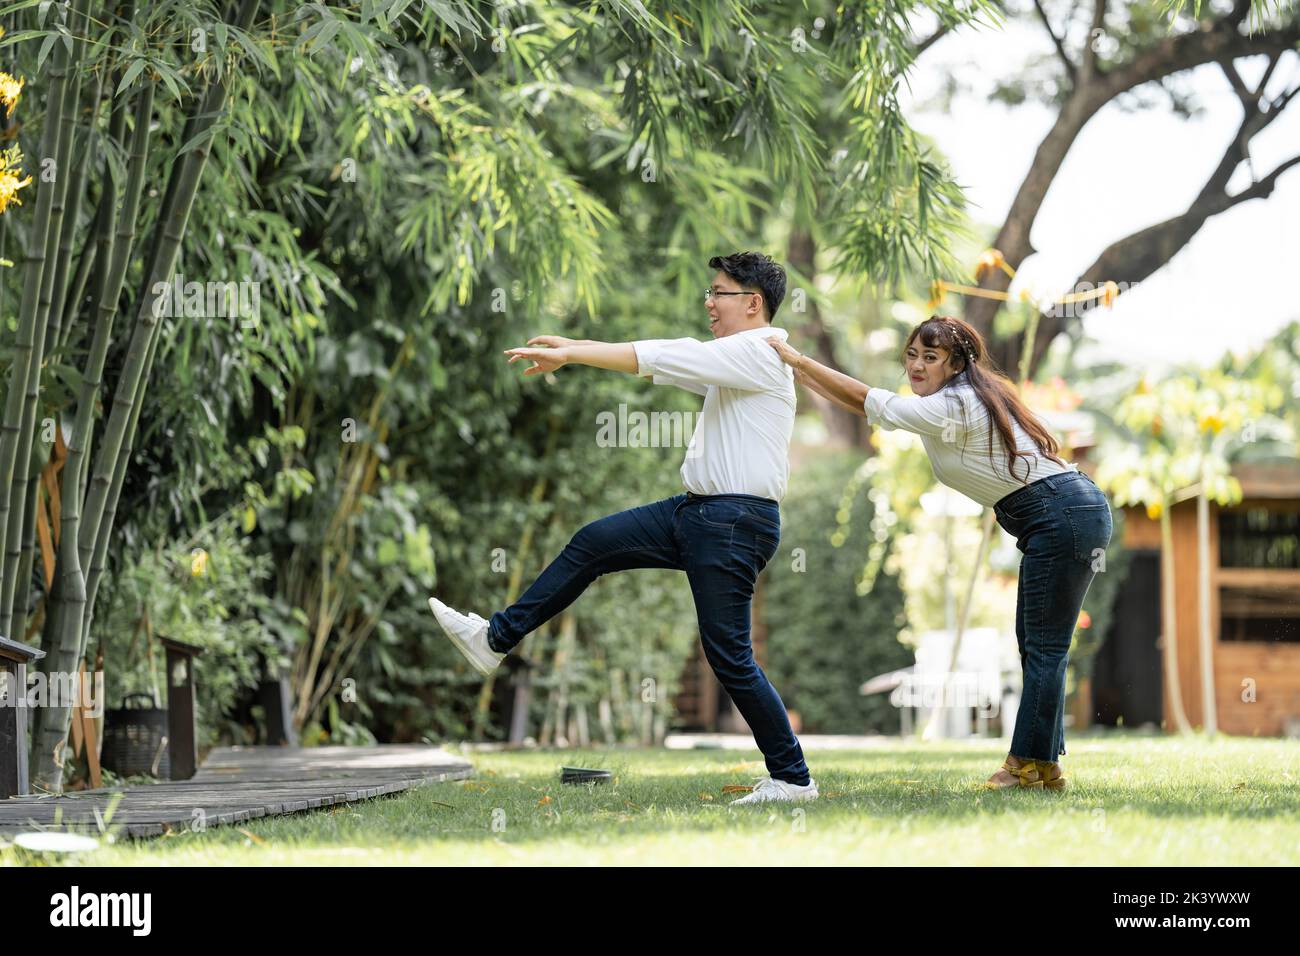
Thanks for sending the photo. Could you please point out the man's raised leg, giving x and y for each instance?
(638, 538)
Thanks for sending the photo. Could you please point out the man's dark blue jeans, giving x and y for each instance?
(1062, 525)
(722, 542)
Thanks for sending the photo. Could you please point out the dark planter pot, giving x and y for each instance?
(135, 739)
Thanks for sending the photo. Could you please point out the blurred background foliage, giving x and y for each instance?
(417, 187)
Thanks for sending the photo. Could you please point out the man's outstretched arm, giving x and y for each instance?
(556, 352)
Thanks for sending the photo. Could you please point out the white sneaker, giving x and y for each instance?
(469, 634)
(768, 790)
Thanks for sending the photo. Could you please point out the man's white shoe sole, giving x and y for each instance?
(756, 803)
(794, 798)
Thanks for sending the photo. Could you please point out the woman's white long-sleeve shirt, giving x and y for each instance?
(955, 426)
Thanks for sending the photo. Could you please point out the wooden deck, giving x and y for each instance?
(240, 783)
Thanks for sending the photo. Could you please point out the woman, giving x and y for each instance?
(961, 404)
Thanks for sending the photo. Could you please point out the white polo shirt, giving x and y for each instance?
(954, 426)
(741, 444)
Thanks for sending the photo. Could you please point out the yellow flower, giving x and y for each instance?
(10, 90)
(937, 289)
(1211, 423)
(198, 563)
(989, 259)
(1154, 510)
(10, 161)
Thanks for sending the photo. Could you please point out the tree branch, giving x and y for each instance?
(1137, 256)
(1141, 254)
(929, 41)
(1098, 23)
(1262, 188)
(1254, 119)
(1060, 47)
(1244, 92)
(1268, 72)
(1213, 42)
(1279, 104)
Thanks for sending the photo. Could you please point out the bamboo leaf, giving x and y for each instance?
(170, 77)
(254, 50)
(132, 71)
(9, 8)
(45, 49)
(23, 35)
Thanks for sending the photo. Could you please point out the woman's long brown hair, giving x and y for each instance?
(966, 353)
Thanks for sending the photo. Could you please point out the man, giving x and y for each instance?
(722, 532)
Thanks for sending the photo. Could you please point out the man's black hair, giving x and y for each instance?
(753, 270)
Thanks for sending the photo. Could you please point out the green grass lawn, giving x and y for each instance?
(1133, 801)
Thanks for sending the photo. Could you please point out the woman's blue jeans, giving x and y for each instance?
(1062, 525)
(722, 542)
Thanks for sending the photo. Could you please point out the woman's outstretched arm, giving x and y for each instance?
(802, 378)
(838, 387)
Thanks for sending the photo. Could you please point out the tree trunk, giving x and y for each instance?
(846, 429)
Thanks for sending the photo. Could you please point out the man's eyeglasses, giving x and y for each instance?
(710, 293)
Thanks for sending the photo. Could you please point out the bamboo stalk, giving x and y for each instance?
(114, 452)
(107, 296)
(66, 621)
(73, 198)
(106, 217)
(26, 560)
(119, 432)
(114, 445)
(86, 259)
(31, 399)
(24, 347)
(105, 227)
(77, 289)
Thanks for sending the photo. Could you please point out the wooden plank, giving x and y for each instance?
(243, 783)
(1140, 532)
(1187, 626)
(1260, 578)
(1268, 479)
